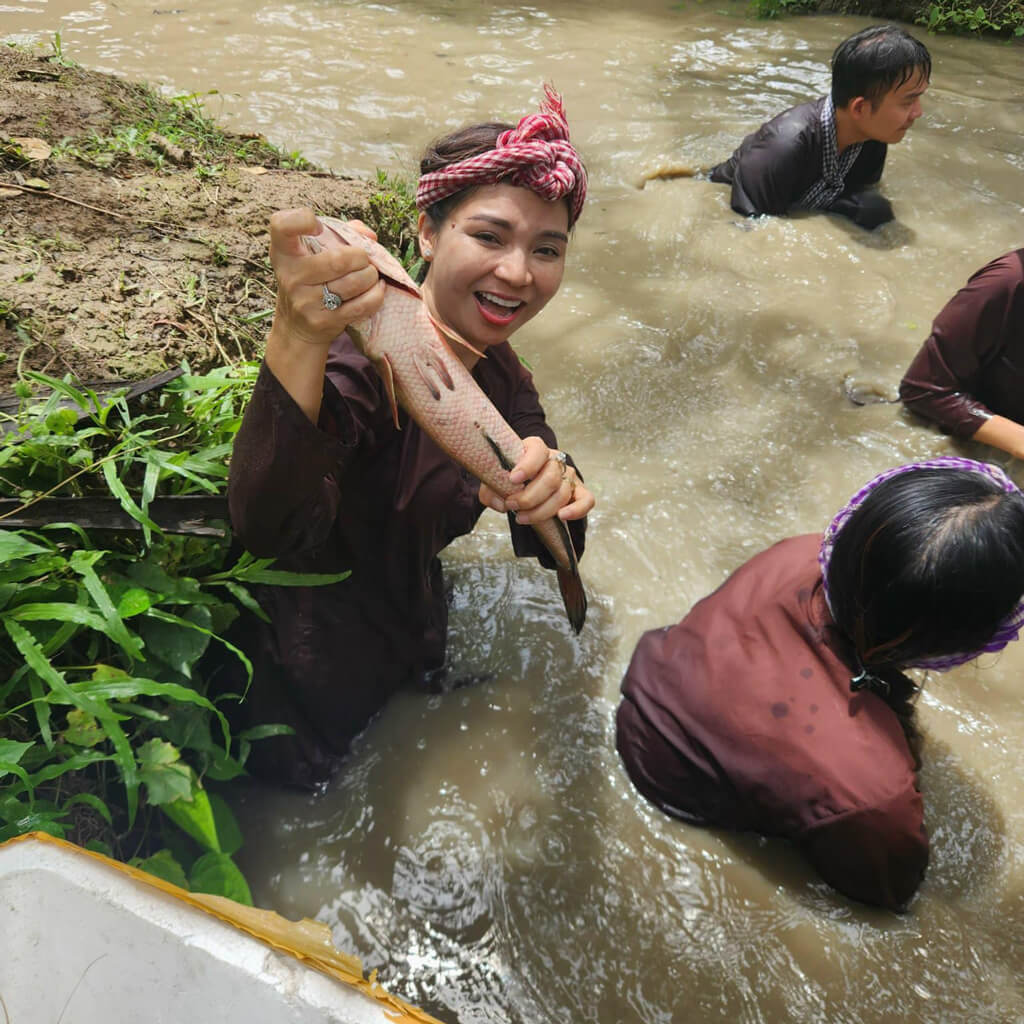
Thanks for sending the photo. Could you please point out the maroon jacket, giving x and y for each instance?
(972, 364)
(741, 716)
(354, 493)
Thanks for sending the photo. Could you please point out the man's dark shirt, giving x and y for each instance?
(776, 165)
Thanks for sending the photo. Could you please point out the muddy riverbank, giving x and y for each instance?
(133, 231)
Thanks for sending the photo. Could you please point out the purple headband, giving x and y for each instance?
(1007, 630)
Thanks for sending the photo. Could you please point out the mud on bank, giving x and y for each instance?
(133, 231)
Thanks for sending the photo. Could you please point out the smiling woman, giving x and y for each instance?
(324, 474)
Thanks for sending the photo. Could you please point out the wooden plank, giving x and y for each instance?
(197, 514)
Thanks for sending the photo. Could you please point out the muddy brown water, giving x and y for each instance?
(483, 848)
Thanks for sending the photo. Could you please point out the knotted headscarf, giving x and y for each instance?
(536, 154)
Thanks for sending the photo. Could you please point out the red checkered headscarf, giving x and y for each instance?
(536, 154)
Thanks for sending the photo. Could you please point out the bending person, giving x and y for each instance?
(968, 377)
(322, 480)
(779, 704)
(827, 154)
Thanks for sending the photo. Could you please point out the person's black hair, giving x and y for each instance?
(461, 144)
(876, 60)
(929, 564)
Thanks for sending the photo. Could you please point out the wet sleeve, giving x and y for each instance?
(876, 855)
(868, 209)
(859, 201)
(526, 418)
(283, 479)
(767, 173)
(973, 327)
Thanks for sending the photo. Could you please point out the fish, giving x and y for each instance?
(421, 373)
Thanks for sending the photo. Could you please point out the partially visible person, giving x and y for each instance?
(779, 705)
(322, 479)
(827, 154)
(968, 377)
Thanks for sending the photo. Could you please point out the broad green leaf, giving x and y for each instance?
(12, 751)
(174, 589)
(58, 611)
(133, 602)
(120, 492)
(250, 570)
(75, 763)
(228, 832)
(261, 732)
(14, 545)
(103, 672)
(178, 641)
(163, 865)
(83, 730)
(34, 569)
(221, 767)
(195, 817)
(34, 821)
(93, 801)
(9, 768)
(82, 562)
(246, 600)
(132, 686)
(166, 776)
(41, 708)
(217, 873)
(58, 385)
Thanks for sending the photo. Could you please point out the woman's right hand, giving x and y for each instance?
(300, 315)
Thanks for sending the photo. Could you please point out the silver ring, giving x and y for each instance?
(331, 301)
(558, 456)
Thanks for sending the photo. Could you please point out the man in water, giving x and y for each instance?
(826, 155)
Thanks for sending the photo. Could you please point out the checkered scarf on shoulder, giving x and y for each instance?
(824, 192)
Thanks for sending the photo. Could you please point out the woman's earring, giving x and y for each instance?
(427, 252)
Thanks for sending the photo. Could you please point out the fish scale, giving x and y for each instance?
(423, 375)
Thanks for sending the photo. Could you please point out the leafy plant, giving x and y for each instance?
(395, 218)
(767, 9)
(960, 16)
(108, 734)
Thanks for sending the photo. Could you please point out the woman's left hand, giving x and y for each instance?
(551, 487)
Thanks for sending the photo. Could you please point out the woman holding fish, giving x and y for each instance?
(385, 419)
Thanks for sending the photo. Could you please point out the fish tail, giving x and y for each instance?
(569, 583)
(573, 597)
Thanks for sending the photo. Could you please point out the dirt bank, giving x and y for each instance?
(133, 231)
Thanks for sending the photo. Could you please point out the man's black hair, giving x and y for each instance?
(876, 60)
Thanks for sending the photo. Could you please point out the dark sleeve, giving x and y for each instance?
(283, 478)
(972, 328)
(526, 417)
(859, 201)
(768, 173)
(875, 855)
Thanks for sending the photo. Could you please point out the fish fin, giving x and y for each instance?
(569, 583)
(503, 460)
(388, 376)
(447, 332)
(388, 266)
(429, 367)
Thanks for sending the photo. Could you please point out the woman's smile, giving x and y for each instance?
(496, 261)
